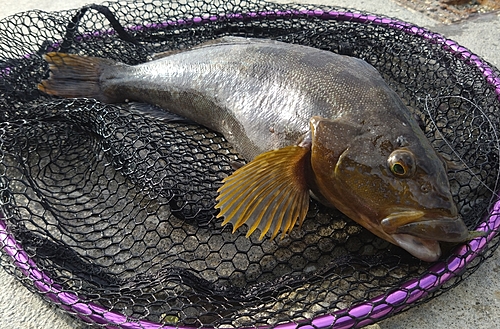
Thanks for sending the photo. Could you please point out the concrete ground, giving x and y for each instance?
(473, 304)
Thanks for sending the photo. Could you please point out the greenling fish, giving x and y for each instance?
(310, 122)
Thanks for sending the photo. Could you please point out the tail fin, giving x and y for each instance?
(75, 76)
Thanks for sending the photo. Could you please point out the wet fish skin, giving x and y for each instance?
(307, 120)
(200, 84)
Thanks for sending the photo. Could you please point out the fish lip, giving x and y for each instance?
(426, 225)
(420, 235)
(440, 229)
(424, 249)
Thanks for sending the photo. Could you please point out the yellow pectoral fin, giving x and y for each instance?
(269, 193)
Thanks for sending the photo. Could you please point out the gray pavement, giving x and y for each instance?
(473, 304)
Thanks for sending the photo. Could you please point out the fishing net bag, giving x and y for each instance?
(108, 210)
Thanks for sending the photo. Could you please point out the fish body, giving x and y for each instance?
(307, 120)
(244, 89)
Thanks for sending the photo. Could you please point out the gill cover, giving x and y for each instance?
(330, 142)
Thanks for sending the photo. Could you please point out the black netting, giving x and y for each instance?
(108, 210)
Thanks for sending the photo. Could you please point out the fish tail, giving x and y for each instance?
(73, 76)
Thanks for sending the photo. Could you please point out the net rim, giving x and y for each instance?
(355, 316)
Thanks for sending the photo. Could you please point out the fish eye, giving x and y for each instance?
(399, 169)
(402, 163)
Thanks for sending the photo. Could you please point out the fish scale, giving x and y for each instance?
(309, 121)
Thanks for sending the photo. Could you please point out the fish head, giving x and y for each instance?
(391, 182)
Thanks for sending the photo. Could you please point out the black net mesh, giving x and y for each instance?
(109, 211)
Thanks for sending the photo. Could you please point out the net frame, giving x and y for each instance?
(393, 301)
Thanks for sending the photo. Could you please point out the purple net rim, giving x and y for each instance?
(355, 316)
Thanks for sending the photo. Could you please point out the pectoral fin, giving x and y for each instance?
(269, 193)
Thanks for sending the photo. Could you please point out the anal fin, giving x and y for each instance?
(269, 193)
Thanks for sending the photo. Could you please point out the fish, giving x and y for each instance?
(309, 122)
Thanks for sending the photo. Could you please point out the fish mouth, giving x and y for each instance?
(424, 249)
(419, 234)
